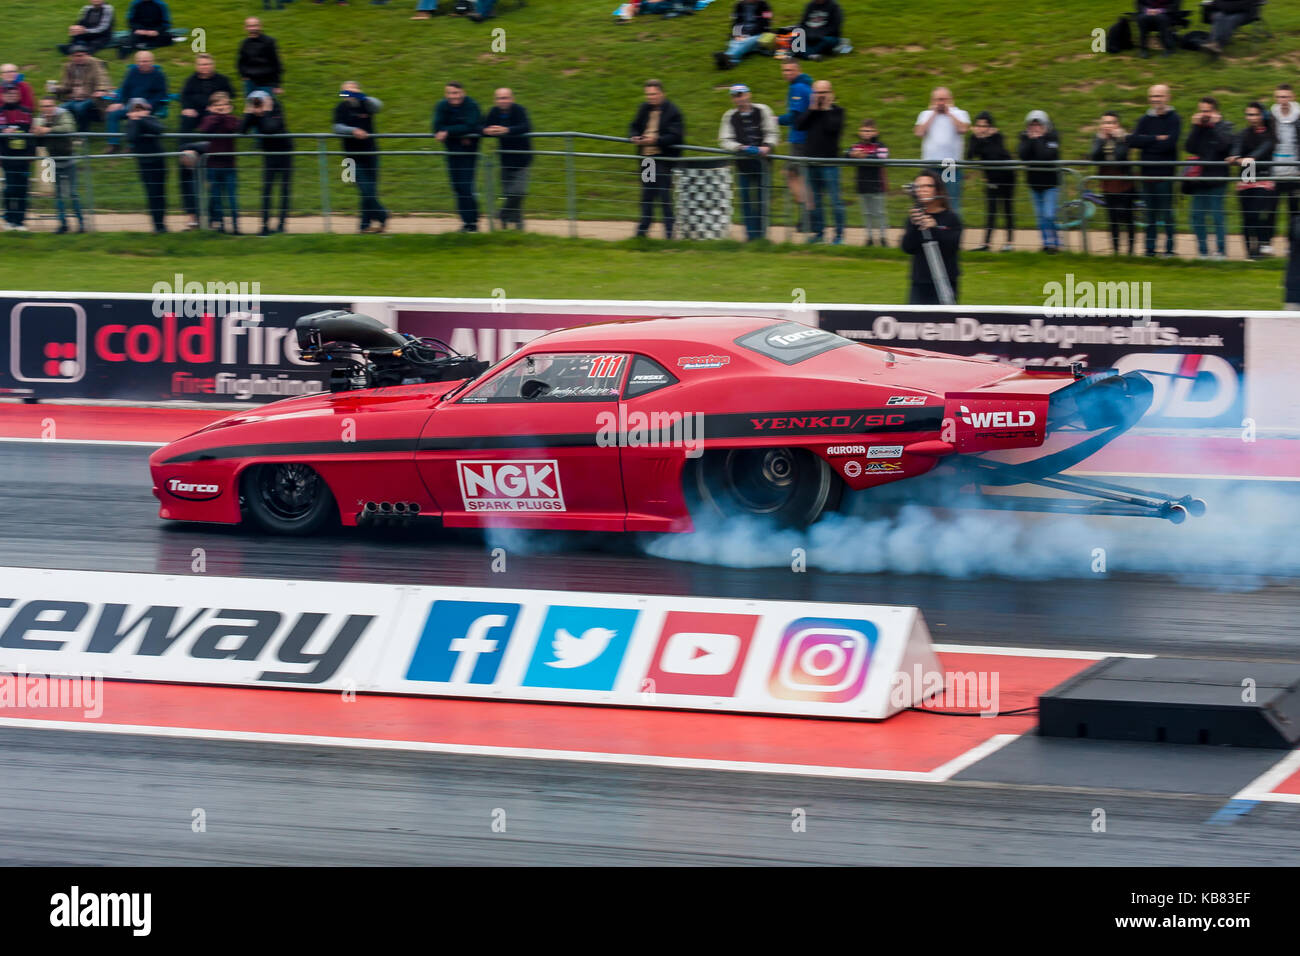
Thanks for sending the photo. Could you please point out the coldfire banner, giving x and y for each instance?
(1196, 362)
(152, 349)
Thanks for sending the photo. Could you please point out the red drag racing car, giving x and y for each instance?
(637, 425)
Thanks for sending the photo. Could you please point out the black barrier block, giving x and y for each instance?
(1177, 701)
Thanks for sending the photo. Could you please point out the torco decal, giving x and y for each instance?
(853, 468)
(514, 485)
(192, 491)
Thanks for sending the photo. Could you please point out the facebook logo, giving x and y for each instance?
(463, 642)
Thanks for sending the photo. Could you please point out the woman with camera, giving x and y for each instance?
(931, 220)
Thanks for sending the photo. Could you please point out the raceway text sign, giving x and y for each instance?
(768, 657)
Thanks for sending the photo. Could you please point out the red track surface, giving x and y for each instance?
(1290, 785)
(913, 742)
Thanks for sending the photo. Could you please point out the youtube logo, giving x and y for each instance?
(701, 653)
(688, 652)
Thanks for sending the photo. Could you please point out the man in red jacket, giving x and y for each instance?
(16, 151)
(9, 74)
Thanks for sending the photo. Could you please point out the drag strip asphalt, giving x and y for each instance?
(99, 798)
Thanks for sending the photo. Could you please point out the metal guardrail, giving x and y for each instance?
(569, 183)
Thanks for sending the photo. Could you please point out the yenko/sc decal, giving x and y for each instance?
(511, 485)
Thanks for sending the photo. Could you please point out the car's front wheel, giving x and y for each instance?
(288, 498)
(791, 486)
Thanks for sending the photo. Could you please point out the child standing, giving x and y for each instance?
(221, 163)
(872, 182)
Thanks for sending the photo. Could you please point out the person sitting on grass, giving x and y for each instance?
(822, 24)
(93, 29)
(1225, 17)
(83, 86)
(750, 19)
(150, 23)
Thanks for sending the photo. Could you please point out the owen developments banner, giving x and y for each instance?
(1197, 363)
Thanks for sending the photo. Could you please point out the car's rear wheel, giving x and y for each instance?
(791, 486)
(288, 498)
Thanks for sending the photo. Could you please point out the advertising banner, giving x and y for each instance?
(152, 349)
(763, 657)
(1197, 363)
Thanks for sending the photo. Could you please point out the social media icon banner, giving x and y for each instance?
(764, 657)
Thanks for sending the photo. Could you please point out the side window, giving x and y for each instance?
(555, 377)
(647, 376)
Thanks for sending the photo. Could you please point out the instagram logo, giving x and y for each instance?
(823, 659)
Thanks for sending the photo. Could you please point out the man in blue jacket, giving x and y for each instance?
(798, 98)
(144, 80)
(457, 122)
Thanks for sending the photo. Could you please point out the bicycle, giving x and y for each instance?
(1077, 212)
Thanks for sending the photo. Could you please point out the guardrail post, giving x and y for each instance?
(571, 188)
(200, 184)
(488, 192)
(1080, 187)
(89, 204)
(324, 182)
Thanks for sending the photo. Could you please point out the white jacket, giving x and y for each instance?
(771, 132)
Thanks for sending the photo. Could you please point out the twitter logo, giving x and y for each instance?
(573, 651)
(581, 648)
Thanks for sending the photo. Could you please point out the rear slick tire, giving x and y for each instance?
(790, 486)
(288, 498)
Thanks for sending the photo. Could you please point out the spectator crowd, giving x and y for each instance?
(1140, 166)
